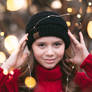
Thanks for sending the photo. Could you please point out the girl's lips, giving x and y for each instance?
(49, 60)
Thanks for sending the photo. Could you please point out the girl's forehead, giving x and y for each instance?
(48, 39)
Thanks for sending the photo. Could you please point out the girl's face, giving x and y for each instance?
(48, 51)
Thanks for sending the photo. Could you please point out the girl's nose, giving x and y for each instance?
(50, 51)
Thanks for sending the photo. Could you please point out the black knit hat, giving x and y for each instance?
(47, 23)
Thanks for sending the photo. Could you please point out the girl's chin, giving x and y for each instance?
(49, 66)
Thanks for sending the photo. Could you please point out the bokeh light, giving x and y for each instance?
(89, 29)
(56, 4)
(11, 43)
(69, 10)
(1, 33)
(89, 9)
(78, 15)
(2, 57)
(14, 5)
(89, 3)
(30, 82)
(68, 23)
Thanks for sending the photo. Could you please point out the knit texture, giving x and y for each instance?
(48, 80)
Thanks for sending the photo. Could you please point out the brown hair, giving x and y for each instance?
(66, 69)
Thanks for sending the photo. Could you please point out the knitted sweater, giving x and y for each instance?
(49, 80)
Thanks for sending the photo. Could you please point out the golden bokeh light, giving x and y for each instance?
(69, 10)
(2, 33)
(89, 29)
(68, 23)
(14, 5)
(56, 4)
(30, 82)
(11, 43)
(89, 9)
(2, 57)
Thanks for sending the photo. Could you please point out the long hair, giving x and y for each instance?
(66, 68)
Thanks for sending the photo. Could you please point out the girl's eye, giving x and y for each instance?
(57, 44)
(42, 45)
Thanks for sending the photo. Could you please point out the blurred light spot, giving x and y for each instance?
(2, 33)
(69, 10)
(78, 15)
(30, 82)
(5, 71)
(14, 5)
(76, 24)
(89, 3)
(89, 9)
(11, 43)
(11, 72)
(68, 23)
(56, 4)
(80, 10)
(89, 29)
(2, 57)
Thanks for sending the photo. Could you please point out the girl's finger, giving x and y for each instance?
(24, 38)
(75, 41)
(73, 47)
(81, 38)
(23, 46)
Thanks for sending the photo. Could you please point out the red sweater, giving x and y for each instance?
(49, 80)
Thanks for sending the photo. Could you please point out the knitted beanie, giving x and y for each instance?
(44, 24)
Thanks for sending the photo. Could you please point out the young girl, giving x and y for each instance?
(48, 38)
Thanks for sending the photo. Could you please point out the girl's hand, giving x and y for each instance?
(79, 49)
(18, 57)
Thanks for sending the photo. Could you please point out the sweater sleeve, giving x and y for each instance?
(8, 82)
(84, 79)
(87, 65)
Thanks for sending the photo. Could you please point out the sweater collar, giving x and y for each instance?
(43, 74)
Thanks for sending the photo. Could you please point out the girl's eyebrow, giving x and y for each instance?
(52, 41)
(59, 41)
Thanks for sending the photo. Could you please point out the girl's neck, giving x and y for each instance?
(43, 74)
